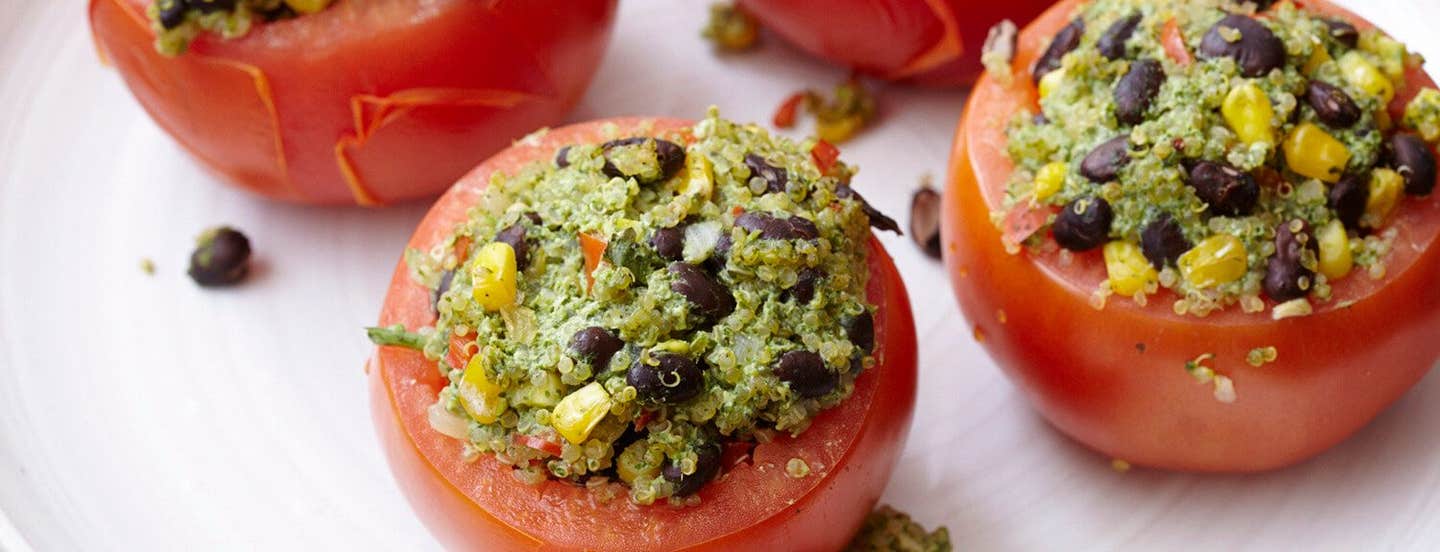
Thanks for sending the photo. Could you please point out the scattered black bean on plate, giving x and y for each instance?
(1083, 224)
(1414, 160)
(1112, 43)
(925, 220)
(806, 374)
(1137, 89)
(1331, 104)
(1250, 43)
(1162, 241)
(1228, 191)
(665, 378)
(221, 258)
(1286, 278)
(1064, 42)
(707, 466)
(1104, 162)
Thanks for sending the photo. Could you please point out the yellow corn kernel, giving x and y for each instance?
(1130, 272)
(1318, 58)
(1050, 81)
(1423, 114)
(1248, 112)
(1312, 152)
(307, 6)
(1335, 258)
(699, 178)
(492, 276)
(479, 396)
(1217, 260)
(1049, 179)
(1385, 186)
(1364, 75)
(578, 413)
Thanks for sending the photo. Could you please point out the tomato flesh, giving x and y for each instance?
(365, 102)
(1114, 379)
(851, 448)
(929, 42)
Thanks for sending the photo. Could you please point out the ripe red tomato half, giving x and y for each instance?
(365, 102)
(930, 42)
(1114, 379)
(851, 448)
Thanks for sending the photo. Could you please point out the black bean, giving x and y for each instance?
(665, 379)
(925, 220)
(1286, 278)
(534, 218)
(171, 12)
(1066, 40)
(1083, 224)
(668, 154)
(1228, 191)
(1104, 162)
(1162, 241)
(1348, 198)
(860, 329)
(514, 235)
(806, 374)
(1137, 89)
(562, 157)
(878, 220)
(1260, 5)
(1257, 51)
(595, 345)
(669, 243)
(707, 466)
(1414, 160)
(446, 279)
(1112, 43)
(775, 177)
(775, 228)
(1332, 105)
(1343, 32)
(710, 298)
(804, 289)
(211, 6)
(221, 258)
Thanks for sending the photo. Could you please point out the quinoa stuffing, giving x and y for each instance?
(177, 22)
(632, 310)
(1225, 155)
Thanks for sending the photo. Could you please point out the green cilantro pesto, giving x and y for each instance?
(178, 22)
(1200, 151)
(890, 530)
(629, 375)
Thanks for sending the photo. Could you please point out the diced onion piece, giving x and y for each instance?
(447, 423)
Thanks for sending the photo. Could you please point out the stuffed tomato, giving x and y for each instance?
(349, 101)
(931, 42)
(1201, 237)
(646, 334)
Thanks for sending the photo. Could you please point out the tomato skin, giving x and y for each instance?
(1114, 379)
(851, 448)
(927, 42)
(363, 102)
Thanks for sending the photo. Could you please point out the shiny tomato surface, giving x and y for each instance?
(1114, 379)
(851, 448)
(367, 102)
(930, 42)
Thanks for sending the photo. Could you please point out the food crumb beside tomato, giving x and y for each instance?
(221, 257)
(730, 28)
(785, 115)
(888, 529)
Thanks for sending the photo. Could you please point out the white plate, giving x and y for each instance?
(141, 413)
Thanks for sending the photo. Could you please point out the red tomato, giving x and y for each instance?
(480, 506)
(930, 42)
(367, 101)
(1114, 379)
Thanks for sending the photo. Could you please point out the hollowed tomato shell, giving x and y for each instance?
(1115, 379)
(928, 42)
(367, 102)
(851, 448)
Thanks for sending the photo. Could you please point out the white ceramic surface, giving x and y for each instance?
(141, 413)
